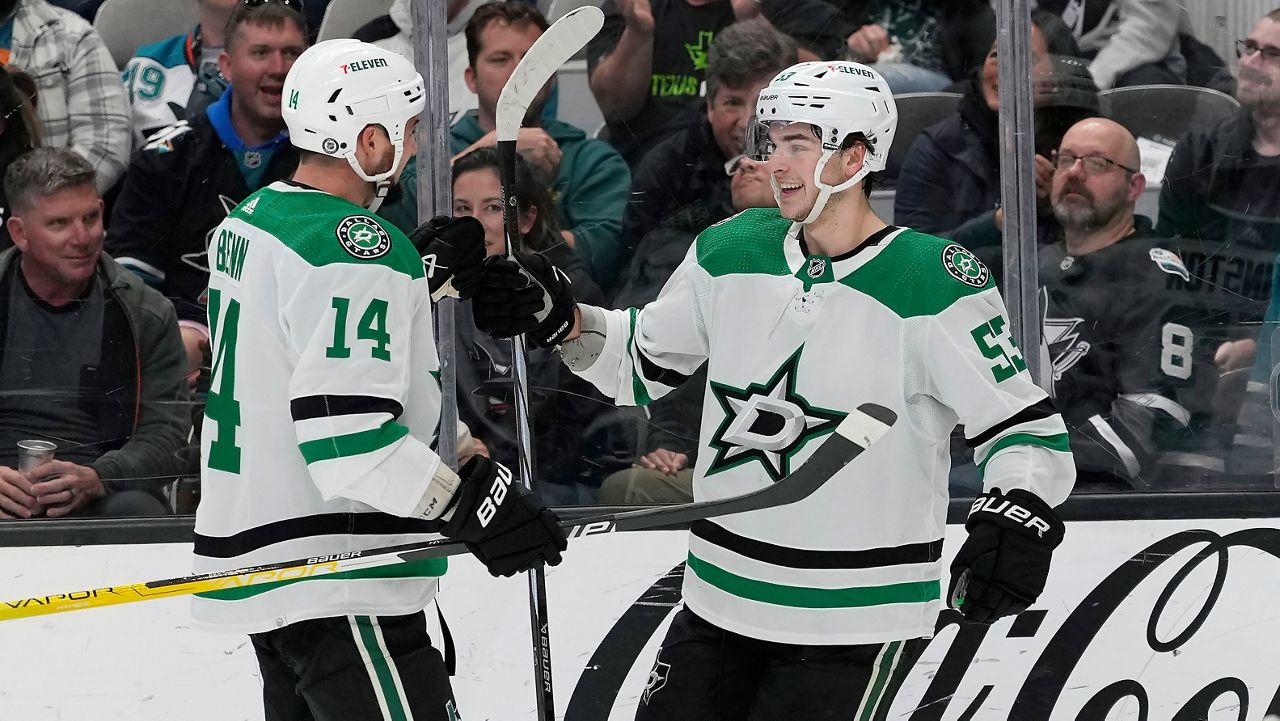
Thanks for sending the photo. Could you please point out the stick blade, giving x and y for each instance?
(560, 42)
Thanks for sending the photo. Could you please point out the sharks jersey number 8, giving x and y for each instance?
(1176, 344)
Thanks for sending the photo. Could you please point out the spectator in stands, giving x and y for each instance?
(19, 132)
(91, 359)
(1128, 374)
(1129, 42)
(563, 403)
(647, 65)
(82, 102)
(1221, 200)
(663, 471)
(176, 78)
(681, 186)
(949, 184)
(900, 39)
(190, 175)
(591, 181)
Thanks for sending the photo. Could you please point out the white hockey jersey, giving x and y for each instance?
(793, 341)
(323, 408)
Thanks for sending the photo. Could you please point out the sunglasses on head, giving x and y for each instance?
(294, 5)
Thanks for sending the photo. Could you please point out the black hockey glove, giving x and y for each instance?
(452, 251)
(529, 296)
(1001, 568)
(503, 525)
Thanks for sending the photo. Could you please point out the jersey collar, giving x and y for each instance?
(813, 268)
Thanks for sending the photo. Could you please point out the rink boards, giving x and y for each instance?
(1156, 619)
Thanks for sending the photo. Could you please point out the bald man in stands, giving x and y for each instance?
(1125, 345)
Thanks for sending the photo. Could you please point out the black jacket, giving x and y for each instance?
(176, 190)
(1221, 202)
(138, 392)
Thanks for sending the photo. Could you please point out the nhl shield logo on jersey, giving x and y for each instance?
(363, 237)
(965, 266)
(817, 266)
(767, 422)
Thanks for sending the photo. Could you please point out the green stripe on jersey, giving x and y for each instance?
(884, 669)
(1056, 442)
(426, 568)
(381, 669)
(804, 597)
(638, 389)
(752, 241)
(910, 277)
(324, 229)
(352, 444)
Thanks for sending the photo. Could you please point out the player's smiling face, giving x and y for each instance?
(796, 152)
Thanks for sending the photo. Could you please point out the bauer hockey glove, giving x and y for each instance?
(1002, 566)
(452, 251)
(530, 295)
(505, 526)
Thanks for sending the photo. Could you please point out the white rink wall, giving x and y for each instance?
(1204, 649)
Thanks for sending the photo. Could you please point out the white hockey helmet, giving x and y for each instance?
(838, 99)
(337, 88)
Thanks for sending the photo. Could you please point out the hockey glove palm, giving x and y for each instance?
(530, 295)
(503, 525)
(452, 252)
(1002, 566)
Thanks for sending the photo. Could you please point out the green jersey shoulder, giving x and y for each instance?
(750, 242)
(323, 229)
(919, 274)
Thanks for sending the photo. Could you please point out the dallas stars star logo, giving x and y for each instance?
(767, 422)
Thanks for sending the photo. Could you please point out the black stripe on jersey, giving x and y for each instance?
(354, 524)
(327, 406)
(798, 558)
(657, 374)
(1039, 410)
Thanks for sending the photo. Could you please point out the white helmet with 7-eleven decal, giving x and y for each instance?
(838, 99)
(337, 88)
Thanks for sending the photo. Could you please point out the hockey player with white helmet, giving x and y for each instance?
(320, 428)
(817, 609)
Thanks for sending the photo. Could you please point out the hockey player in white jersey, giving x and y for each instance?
(322, 415)
(816, 610)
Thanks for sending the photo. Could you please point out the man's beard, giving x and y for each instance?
(1085, 216)
(1263, 94)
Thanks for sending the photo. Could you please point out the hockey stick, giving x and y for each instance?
(855, 434)
(551, 50)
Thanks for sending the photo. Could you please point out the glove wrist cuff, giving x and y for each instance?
(1020, 511)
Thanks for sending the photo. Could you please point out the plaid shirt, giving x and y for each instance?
(80, 98)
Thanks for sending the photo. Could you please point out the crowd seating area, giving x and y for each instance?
(1160, 360)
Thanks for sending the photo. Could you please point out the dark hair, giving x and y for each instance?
(43, 172)
(271, 15)
(1057, 36)
(531, 191)
(1274, 15)
(18, 108)
(507, 13)
(745, 52)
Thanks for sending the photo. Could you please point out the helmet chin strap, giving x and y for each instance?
(825, 190)
(382, 181)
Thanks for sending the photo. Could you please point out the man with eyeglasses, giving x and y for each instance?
(1221, 201)
(1128, 361)
(189, 175)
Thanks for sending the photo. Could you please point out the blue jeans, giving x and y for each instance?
(903, 78)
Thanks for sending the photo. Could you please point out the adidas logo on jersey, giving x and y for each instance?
(250, 206)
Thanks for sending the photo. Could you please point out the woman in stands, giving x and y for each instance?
(566, 442)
